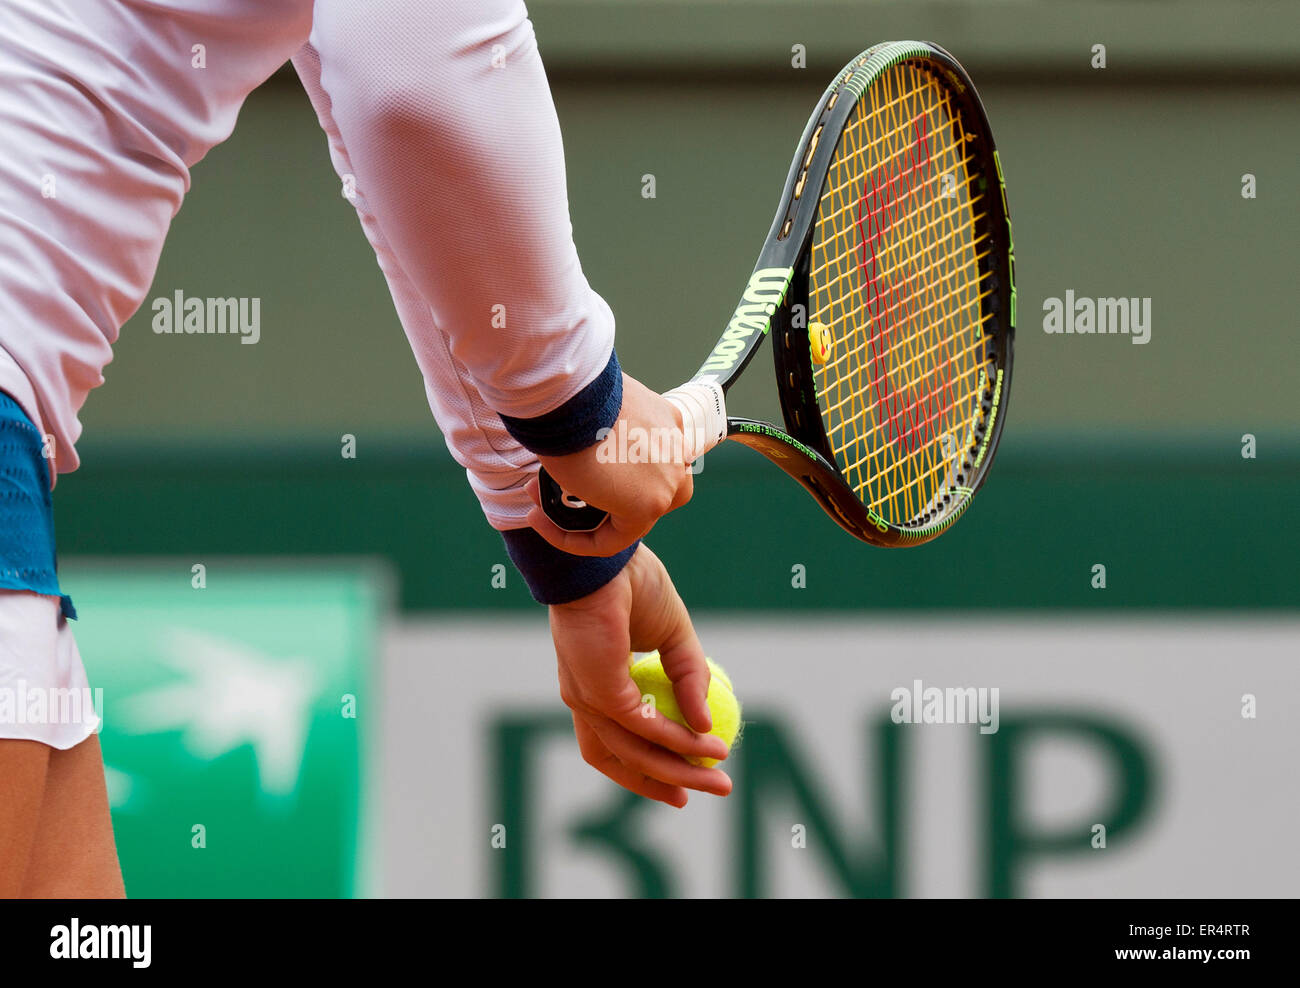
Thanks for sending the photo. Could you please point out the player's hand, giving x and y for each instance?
(639, 610)
(636, 494)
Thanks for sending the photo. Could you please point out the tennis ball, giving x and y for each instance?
(650, 678)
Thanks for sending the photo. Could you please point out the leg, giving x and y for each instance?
(74, 855)
(55, 835)
(23, 768)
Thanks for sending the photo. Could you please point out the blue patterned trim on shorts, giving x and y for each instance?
(27, 559)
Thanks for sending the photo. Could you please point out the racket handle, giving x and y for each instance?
(568, 512)
(704, 425)
(704, 416)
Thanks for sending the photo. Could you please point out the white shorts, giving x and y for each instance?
(44, 694)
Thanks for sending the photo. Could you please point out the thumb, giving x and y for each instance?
(686, 666)
(659, 620)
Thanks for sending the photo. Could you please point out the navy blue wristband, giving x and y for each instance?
(576, 424)
(557, 577)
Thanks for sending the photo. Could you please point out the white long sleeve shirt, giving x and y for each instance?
(437, 114)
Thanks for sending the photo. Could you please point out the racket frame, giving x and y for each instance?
(779, 285)
(802, 448)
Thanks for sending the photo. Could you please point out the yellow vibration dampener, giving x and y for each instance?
(820, 341)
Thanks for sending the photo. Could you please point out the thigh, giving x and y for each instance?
(56, 838)
(23, 768)
(73, 855)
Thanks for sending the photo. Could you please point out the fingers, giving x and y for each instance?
(642, 505)
(613, 535)
(613, 697)
(684, 492)
(634, 744)
(608, 539)
(658, 762)
(667, 627)
(595, 754)
(686, 666)
(661, 732)
(653, 770)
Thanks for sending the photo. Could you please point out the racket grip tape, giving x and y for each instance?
(704, 424)
(704, 417)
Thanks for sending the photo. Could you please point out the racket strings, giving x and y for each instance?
(891, 354)
(912, 458)
(936, 413)
(895, 273)
(917, 235)
(972, 346)
(940, 299)
(879, 108)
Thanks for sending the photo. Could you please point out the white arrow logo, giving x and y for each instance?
(233, 696)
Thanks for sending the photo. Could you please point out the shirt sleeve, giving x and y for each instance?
(442, 128)
(453, 149)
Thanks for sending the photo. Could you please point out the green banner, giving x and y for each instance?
(232, 698)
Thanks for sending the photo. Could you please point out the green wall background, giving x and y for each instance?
(1178, 526)
(1122, 181)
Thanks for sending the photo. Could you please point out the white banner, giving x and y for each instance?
(1107, 756)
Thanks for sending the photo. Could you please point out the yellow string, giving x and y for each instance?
(898, 214)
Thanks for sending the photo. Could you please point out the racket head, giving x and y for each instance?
(895, 228)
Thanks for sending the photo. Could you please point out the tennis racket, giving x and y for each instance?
(887, 286)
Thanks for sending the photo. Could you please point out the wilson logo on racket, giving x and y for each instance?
(763, 294)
